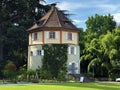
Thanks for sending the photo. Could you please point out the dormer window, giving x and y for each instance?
(52, 35)
(66, 23)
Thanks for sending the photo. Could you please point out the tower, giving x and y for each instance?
(54, 28)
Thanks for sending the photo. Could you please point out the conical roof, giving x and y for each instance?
(54, 18)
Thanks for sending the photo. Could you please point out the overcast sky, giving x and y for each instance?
(82, 9)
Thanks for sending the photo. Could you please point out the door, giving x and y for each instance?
(73, 68)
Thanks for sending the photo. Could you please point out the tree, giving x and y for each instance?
(100, 24)
(110, 43)
(16, 16)
(99, 43)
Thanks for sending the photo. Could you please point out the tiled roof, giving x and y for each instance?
(53, 18)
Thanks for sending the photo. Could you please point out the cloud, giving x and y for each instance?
(108, 7)
(70, 5)
(78, 21)
(104, 5)
(117, 17)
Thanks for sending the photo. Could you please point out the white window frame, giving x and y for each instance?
(37, 53)
(72, 50)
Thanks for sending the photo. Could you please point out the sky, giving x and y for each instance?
(80, 10)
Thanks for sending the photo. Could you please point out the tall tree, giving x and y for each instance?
(16, 16)
(100, 24)
(96, 54)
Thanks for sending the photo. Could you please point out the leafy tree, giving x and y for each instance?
(110, 43)
(99, 45)
(16, 16)
(100, 24)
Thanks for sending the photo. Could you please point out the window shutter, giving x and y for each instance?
(75, 51)
(66, 35)
(77, 68)
(70, 65)
(76, 65)
(47, 35)
(56, 35)
(32, 36)
(38, 35)
(42, 52)
(69, 50)
(35, 53)
(72, 36)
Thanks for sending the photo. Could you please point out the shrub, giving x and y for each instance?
(22, 74)
(31, 74)
(35, 81)
(61, 75)
(44, 74)
(10, 70)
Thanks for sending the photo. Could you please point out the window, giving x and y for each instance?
(72, 50)
(66, 23)
(69, 36)
(34, 36)
(37, 53)
(52, 35)
(31, 53)
(73, 68)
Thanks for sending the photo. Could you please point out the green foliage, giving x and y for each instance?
(10, 70)
(16, 16)
(22, 75)
(101, 46)
(100, 24)
(61, 75)
(44, 74)
(31, 72)
(55, 58)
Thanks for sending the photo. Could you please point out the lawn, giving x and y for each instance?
(65, 86)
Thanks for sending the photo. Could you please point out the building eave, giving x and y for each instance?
(53, 29)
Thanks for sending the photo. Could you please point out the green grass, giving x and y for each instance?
(65, 86)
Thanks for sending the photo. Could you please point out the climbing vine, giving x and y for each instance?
(55, 58)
